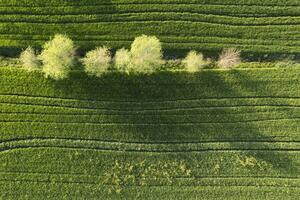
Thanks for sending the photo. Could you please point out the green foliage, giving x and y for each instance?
(97, 62)
(194, 62)
(229, 58)
(146, 54)
(29, 60)
(122, 60)
(58, 57)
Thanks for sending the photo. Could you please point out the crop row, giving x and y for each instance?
(107, 2)
(277, 130)
(200, 29)
(12, 47)
(155, 118)
(199, 181)
(157, 28)
(130, 105)
(10, 108)
(156, 151)
(95, 162)
(249, 24)
(54, 191)
(280, 40)
(151, 16)
(164, 86)
(47, 166)
(230, 10)
(149, 147)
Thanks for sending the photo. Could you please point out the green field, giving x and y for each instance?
(152, 126)
(216, 134)
(256, 27)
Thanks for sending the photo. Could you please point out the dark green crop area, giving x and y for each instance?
(216, 134)
(254, 26)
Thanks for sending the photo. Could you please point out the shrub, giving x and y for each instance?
(122, 60)
(146, 54)
(58, 57)
(29, 60)
(229, 58)
(194, 62)
(97, 62)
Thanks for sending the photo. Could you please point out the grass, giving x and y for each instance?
(230, 134)
(252, 26)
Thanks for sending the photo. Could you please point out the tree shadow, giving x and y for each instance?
(264, 88)
(193, 92)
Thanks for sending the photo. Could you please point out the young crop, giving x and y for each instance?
(97, 62)
(58, 57)
(29, 60)
(194, 62)
(146, 54)
(229, 58)
(122, 60)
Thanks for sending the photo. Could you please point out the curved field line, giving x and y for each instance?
(136, 147)
(155, 21)
(146, 114)
(49, 139)
(152, 124)
(239, 42)
(146, 151)
(151, 185)
(177, 177)
(233, 24)
(242, 42)
(116, 3)
(134, 114)
(119, 6)
(53, 139)
(108, 122)
(165, 12)
(235, 5)
(153, 110)
(150, 101)
(127, 39)
(48, 181)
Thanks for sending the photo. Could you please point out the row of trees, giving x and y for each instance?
(58, 57)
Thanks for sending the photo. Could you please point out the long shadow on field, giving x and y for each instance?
(245, 85)
(284, 90)
(196, 101)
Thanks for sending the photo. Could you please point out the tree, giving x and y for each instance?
(29, 60)
(229, 58)
(122, 60)
(146, 54)
(58, 57)
(97, 62)
(194, 62)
